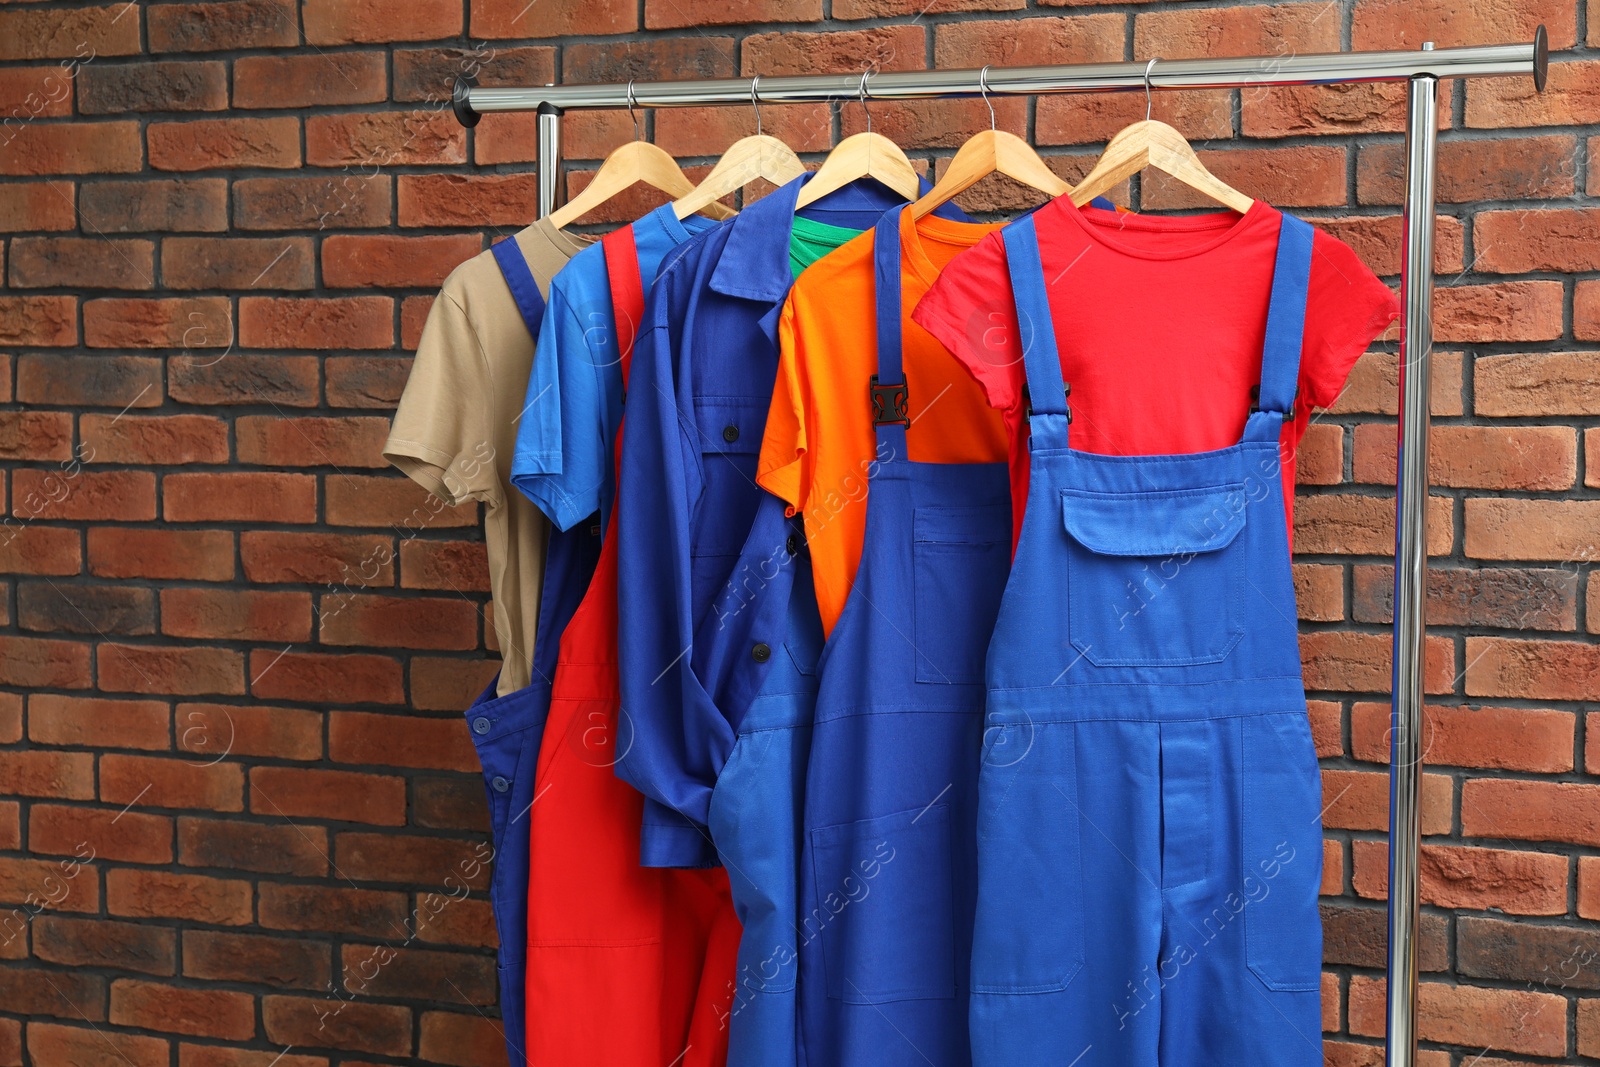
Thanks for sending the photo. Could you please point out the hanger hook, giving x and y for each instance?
(1147, 98)
(861, 91)
(983, 87)
(631, 113)
(755, 102)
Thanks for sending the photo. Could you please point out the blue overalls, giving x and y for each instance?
(507, 730)
(889, 865)
(1150, 843)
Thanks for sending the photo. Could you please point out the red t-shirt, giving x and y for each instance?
(1160, 322)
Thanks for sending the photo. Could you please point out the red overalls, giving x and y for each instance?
(628, 966)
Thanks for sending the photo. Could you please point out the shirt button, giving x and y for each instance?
(500, 784)
(480, 725)
(793, 545)
(730, 434)
(761, 652)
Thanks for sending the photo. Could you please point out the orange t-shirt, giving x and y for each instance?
(820, 445)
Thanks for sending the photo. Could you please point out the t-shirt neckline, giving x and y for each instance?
(1099, 227)
(945, 231)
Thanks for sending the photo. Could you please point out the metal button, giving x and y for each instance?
(480, 725)
(730, 434)
(761, 652)
(500, 784)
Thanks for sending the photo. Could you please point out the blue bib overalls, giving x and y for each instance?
(888, 873)
(1150, 844)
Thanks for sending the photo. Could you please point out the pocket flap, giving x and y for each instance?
(978, 524)
(1174, 522)
(730, 423)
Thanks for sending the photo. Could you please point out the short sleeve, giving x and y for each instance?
(971, 311)
(444, 421)
(1347, 307)
(783, 447)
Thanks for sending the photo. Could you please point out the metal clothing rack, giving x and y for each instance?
(1422, 69)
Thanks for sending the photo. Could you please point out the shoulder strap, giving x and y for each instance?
(887, 390)
(1286, 317)
(1047, 391)
(519, 279)
(627, 290)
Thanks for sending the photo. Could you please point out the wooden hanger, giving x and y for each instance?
(862, 155)
(757, 156)
(988, 152)
(1155, 144)
(636, 162)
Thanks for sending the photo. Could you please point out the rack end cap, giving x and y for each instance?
(460, 103)
(1541, 57)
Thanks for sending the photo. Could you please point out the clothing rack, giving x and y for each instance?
(1422, 70)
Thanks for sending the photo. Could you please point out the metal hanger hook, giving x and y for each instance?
(861, 91)
(1148, 100)
(983, 87)
(755, 102)
(631, 114)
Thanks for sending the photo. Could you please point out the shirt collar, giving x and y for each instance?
(754, 262)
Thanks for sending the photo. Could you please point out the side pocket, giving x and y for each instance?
(1028, 937)
(961, 557)
(885, 908)
(1281, 865)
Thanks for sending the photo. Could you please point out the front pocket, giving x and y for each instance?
(1152, 579)
(729, 430)
(960, 559)
(884, 907)
(1028, 935)
(1281, 866)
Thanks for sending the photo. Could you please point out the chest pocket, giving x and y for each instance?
(1152, 578)
(729, 430)
(960, 558)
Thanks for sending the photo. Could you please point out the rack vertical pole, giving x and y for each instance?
(1411, 570)
(549, 161)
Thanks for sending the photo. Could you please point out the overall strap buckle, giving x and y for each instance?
(1027, 401)
(1255, 402)
(890, 403)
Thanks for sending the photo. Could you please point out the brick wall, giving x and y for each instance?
(237, 800)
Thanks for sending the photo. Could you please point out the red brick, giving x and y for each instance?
(846, 52)
(1589, 887)
(378, 1029)
(400, 741)
(97, 943)
(1571, 97)
(1359, 800)
(1319, 460)
(96, 1047)
(309, 81)
(75, 148)
(336, 909)
(239, 497)
(352, 261)
(448, 684)
(128, 496)
(193, 555)
(292, 792)
(1385, 24)
(121, 382)
(336, 22)
(346, 322)
(358, 500)
(349, 201)
(412, 861)
(1537, 384)
(312, 677)
(38, 320)
(56, 885)
(189, 323)
(447, 920)
(450, 803)
(1537, 670)
(85, 33)
(559, 18)
(334, 559)
(384, 139)
(231, 143)
(58, 775)
(426, 74)
(707, 131)
(84, 262)
(1378, 240)
(11, 718)
(94, 722)
(413, 317)
(37, 206)
(1373, 385)
(163, 670)
(1589, 1027)
(1519, 739)
(1342, 661)
(236, 615)
(274, 961)
(420, 974)
(166, 440)
(1514, 598)
(168, 204)
(1310, 110)
(38, 92)
(664, 14)
(453, 1038)
(1470, 171)
(1319, 592)
(472, 200)
(1515, 242)
(1363, 525)
(39, 550)
(234, 844)
(280, 380)
(1477, 457)
(1531, 529)
(237, 263)
(215, 730)
(1304, 176)
(152, 86)
(1531, 810)
(193, 898)
(1089, 118)
(35, 435)
(868, 9)
(1503, 311)
(1279, 29)
(1022, 42)
(105, 833)
(33, 662)
(203, 1012)
(398, 622)
(1332, 869)
(154, 782)
(223, 26)
(459, 566)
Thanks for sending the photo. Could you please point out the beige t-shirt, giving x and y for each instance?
(456, 426)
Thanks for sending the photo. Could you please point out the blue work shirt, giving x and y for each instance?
(701, 384)
(564, 459)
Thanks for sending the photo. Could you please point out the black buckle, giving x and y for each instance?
(1027, 401)
(1255, 402)
(890, 403)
